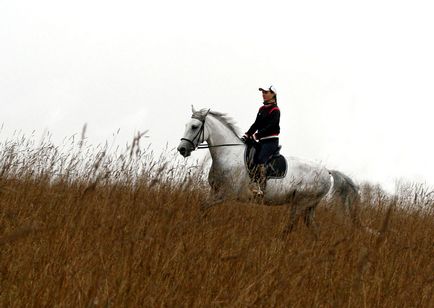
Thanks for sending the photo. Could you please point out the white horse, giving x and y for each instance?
(303, 186)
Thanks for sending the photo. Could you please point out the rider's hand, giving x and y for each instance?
(244, 138)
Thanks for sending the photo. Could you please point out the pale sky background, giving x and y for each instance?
(355, 78)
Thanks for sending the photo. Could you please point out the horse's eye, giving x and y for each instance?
(194, 126)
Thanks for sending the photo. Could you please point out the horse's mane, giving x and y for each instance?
(222, 117)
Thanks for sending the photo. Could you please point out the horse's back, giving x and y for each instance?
(302, 175)
(306, 170)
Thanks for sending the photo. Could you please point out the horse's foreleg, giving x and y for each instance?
(215, 197)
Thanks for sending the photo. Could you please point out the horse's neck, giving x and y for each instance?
(220, 134)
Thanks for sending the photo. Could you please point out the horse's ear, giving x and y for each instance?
(193, 110)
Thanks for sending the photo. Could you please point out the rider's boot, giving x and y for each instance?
(260, 181)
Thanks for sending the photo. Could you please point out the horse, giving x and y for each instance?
(303, 186)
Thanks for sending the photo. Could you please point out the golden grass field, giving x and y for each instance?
(80, 228)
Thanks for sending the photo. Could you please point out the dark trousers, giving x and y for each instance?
(264, 149)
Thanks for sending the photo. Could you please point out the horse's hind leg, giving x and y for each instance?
(292, 219)
(309, 220)
(349, 210)
(293, 216)
(309, 214)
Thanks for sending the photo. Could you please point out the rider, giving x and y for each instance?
(265, 131)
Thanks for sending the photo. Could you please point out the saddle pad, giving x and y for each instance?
(276, 167)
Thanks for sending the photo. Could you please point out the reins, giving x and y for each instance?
(206, 146)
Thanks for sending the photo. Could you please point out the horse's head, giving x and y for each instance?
(194, 134)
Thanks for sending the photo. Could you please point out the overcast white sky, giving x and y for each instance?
(355, 78)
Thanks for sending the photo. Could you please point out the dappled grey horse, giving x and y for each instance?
(302, 187)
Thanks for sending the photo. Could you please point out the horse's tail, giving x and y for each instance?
(345, 192)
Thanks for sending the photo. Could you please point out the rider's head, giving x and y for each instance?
(269, 93)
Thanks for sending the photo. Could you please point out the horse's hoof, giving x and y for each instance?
(286, 232)
(315, 235)
(203, 214)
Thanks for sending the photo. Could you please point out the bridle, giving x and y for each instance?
(201, 133)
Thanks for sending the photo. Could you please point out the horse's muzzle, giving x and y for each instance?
(184, 150)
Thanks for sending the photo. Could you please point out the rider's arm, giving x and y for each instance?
(254, 127)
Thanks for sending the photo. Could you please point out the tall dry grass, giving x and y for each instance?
(84, 226)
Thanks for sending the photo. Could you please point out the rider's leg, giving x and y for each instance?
(262, 181)
(254, 184)
(266, 149)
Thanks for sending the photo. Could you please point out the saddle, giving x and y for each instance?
(276, 166)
